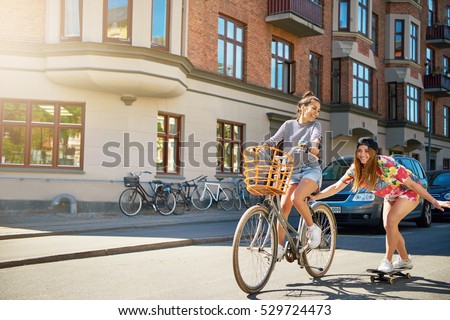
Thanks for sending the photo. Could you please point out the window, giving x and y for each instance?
(445, 164)
(71, 19)
(398, 40)
(447, 16)
(282, 68)
(361, 85)
(41, 134)
(117, 21)
(412, 104)
(160, 24)
(446, 66)
(446, 122)
(375, 34)
(229, 145)
(230, 49)
(429, 61)
(315, 74)
(428, 106)
(344, 16)
(363, 16)
(335, 81)
(431, 20)
(168, 144)
(413, 42)
(392, 100)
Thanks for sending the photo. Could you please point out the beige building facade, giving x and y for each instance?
(93, 90)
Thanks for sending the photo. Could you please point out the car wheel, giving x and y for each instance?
(425, 220)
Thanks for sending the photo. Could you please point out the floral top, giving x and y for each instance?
(391, 176)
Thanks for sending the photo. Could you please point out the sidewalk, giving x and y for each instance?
(30, 238)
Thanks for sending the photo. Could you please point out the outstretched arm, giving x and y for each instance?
(329, 191)
(417, 188)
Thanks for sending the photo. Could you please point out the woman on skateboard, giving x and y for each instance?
(399, 187)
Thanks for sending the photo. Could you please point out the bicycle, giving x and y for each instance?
(214, 191)
(189, 192)
(255, 241)
(241, 195)
(160, 198)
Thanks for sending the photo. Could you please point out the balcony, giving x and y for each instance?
(437, 84)
(303, 18)
(439, 36)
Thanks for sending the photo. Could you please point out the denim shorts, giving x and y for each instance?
(312, 173)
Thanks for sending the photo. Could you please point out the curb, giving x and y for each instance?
(114, 251)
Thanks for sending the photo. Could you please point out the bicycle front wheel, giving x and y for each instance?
(165, 202)
(254, 249)
(226, 201)
(130, 202)
(318, 261)
(201, 198)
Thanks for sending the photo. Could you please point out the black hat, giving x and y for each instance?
(369, 142)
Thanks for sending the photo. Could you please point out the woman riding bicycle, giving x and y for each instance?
(307, 175)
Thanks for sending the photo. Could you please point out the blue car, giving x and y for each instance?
(365, 208)
(439, 188)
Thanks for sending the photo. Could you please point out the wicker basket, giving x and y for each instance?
(132, 181)
(267, 170)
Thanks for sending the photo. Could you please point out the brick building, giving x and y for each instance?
(91, 90)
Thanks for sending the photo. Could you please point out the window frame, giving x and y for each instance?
(222, 141)
(155, 45)
(412, 104)
(399, 45)
(357, 81)
(56, 126)
(288, 67)
(235, 43)
(346, 11)
(446, 121)
(336, 80)
(129, 24)
(392, 100)
(166, 136)
(363, 17)
(414, 42)
(375, 34)
(63, 37)
(315, 74)
(431, 17)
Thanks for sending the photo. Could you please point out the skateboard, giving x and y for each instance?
(387, 276)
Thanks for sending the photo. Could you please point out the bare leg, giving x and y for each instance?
(393, 213)
(304, 190)
(286, 206)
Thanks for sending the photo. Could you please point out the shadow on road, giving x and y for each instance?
(359, 287)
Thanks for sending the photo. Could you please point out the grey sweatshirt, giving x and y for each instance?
(291, 133)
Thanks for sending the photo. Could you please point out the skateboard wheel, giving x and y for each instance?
(408, 276)
(391, 281)
(372, 279)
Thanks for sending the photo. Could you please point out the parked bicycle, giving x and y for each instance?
(190, 192)
(255, 244)
(210, 191)
(242, 196)
(160, 198)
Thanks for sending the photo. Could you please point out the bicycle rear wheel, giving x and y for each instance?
(181, 203)
(165, 202)
(237, 199)
(318, 261)
(254, 249)
(226, 201)
(201, 198)
(130, 201)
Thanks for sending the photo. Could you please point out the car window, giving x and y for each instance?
(334, 171)
(407, 163)
(420, 173)
(442, 179)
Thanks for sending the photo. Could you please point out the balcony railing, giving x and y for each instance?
(309, 10)
(439, 35)
(437, 84)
